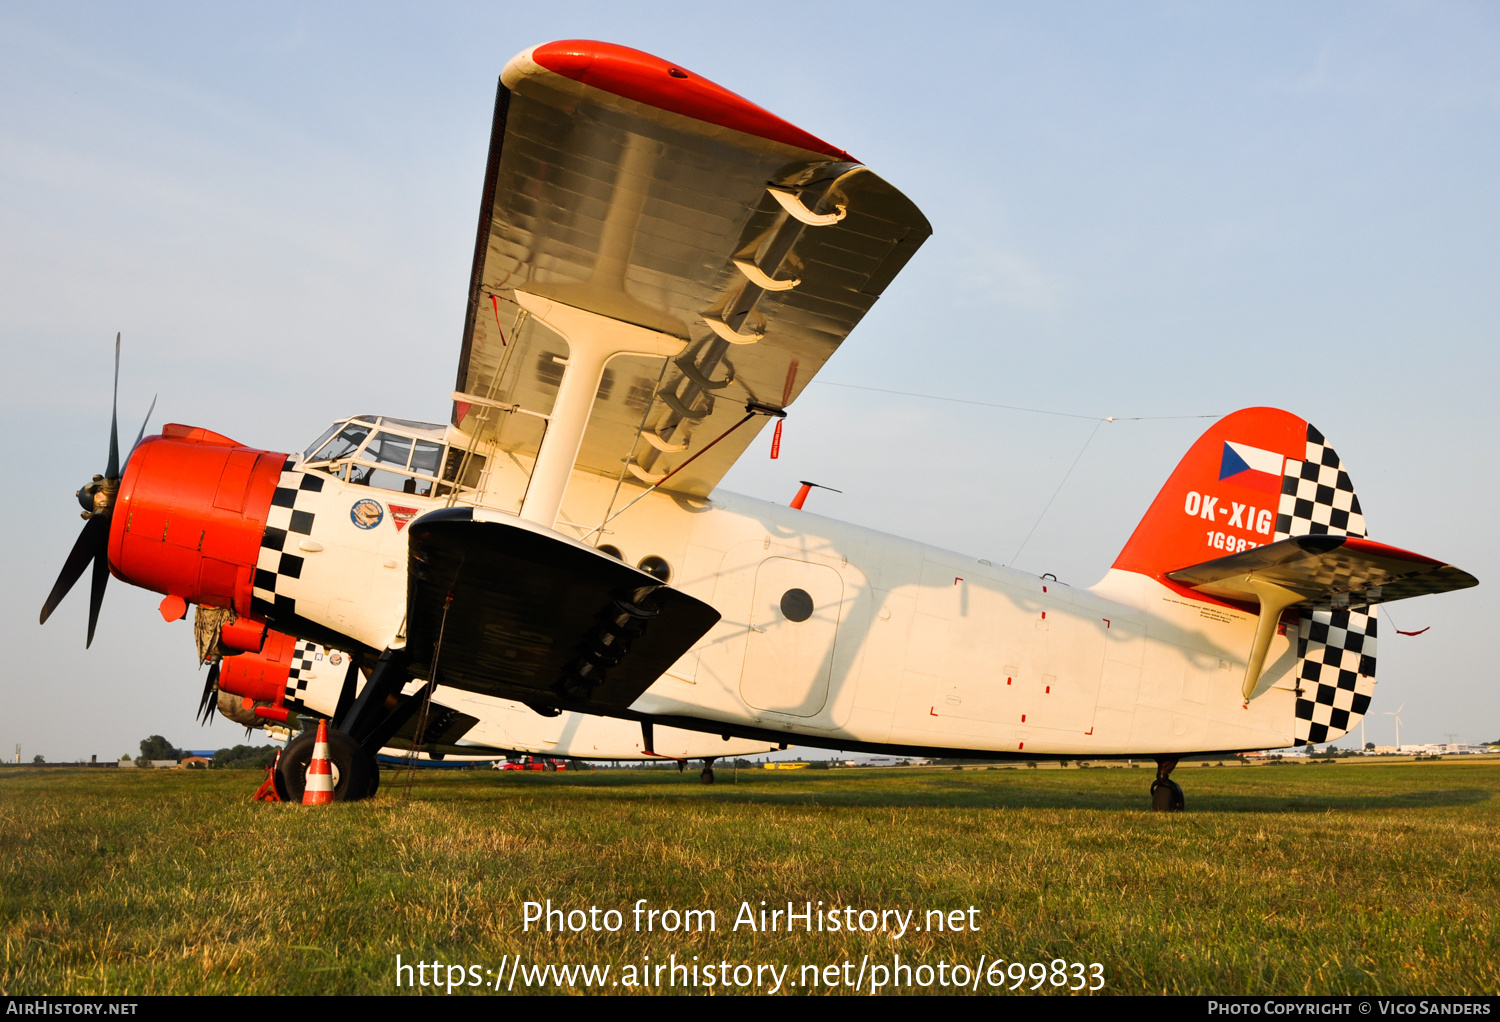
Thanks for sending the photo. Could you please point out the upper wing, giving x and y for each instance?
(625, 186)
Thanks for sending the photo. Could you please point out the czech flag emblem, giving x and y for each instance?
(1251, 467)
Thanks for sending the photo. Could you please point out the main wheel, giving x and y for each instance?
(355, 773)
(707, 776)
(1166, 796)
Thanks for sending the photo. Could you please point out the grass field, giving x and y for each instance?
(1362, 878)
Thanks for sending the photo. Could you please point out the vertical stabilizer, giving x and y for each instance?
(1257, 476)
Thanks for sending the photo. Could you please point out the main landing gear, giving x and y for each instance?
(1166, 794)
(356, 774)
(360, 727)
(707, 776)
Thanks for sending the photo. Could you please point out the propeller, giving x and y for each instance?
(210, 700)
(97, 499)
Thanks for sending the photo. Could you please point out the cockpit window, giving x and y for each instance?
(426, 458)
(386, 420)
(389, 449)
(322, 439)
(387, 460)
(343, 445)
(400, 482)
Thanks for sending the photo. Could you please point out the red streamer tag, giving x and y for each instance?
(776, 440)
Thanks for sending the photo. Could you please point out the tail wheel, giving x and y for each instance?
(355, 773)
(707, 776)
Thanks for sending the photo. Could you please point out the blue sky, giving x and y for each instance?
(1138, 210)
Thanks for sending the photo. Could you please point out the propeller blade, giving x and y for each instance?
(96, 593)
(210, 699)
(91, 543)
(141, 434)
(113, 471)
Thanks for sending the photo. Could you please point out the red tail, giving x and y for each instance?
(1255, 476)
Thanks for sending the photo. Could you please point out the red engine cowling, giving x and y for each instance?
(189, 518)
(252, 686)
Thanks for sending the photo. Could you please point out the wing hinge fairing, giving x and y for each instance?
(689, 395)
(1321, 571)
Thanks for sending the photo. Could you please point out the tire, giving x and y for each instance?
(1166, 796)
(356, 775)
(707, 776)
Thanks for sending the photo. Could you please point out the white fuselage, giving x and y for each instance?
(905, 645)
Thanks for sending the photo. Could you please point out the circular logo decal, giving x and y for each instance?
(366, 513)
(335, 659)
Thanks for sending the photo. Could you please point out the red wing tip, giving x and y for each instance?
(1369, 546)
(636, 75)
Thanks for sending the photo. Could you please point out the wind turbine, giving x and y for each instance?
(1397, 714)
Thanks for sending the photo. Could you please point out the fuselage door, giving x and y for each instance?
(794, 621)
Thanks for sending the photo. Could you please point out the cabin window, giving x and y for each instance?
(796, 604)
(451, 467)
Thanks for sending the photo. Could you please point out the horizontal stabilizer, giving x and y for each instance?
(1338, 571)
(1324, 571)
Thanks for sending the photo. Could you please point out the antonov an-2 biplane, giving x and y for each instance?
(660, 269)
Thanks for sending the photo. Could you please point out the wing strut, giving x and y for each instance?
(1273, 600)
(592, 341)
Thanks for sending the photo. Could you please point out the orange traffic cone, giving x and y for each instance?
(267, 790)
(319, 789)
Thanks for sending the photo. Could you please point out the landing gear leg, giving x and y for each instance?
(1166, 794)
(367, 723)
(707, 776)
